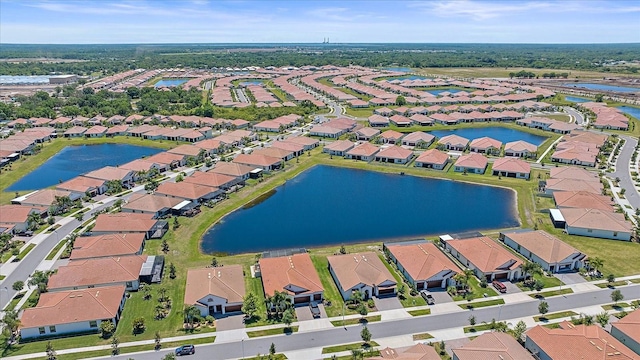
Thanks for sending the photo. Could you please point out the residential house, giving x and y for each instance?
(98, 272)
(454, 142)
(157, 206)
(367, 133)
(583, 199)
(362, 272)
(295, 149)
(85, 185)
(194, 193)
(275, 152)
(213, 179)
(125, 223)
(211, 146)
(567, 184)
(418, 138)
(520, 148)
(142, 167)
(627, 331)
(46, 198)
(16, 217)
(400, 120)
(391, 137)
(432, 159)
(540, 247)
(326, 131)
(377, 120)
(422, 264)
(570, 341)
(72, 312)
(96, 131)
(473, 163)
(573, 172)
(338, 147)
(264, 162)
(171, 160)
(486, 145)
(110, 173)
(511, 167)
(596, 223)
(239, 171)
(76, 131)
(307, 142)
(215, 290)
(492, 345)
(364, 152)
(419, 351)
(395, 155)
(294, 275)
(421, 119)
(110, 245)
(486, 258)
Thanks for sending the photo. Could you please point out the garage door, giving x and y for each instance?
(434, 284)
(233, 308)
(501, 276)
(302, 300)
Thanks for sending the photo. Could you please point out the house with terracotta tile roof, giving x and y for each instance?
(143, 166)
(511, 167)
(627, 331)
(568, 184)
(422, 264)
(575, 155)
(520, 148)
(583, 199)
(486, 258)
(85, 185)
(96, 131)
(195, 193)
(186, 150)
(215, 290)
(73, 312)
(98, 272)
(377, 120)
(419, 351)
(294, 275)
(473, 163)
(485, 145)
(596, 223)
(211, 146)
(395, 155)
(268, 126)
(367, 133)
(540, 247)
(118, 130)
(17, 216)
(46, 197)
(384, 111)
(573, 172)
(400, 120)
(338, 147)
(325, 131)
(421, 119)
(239, 171)
(454, 142)
(87, 247)
(295, 149)
(127, 177)
(276, 152)
(575, 342)
(418, 138)
(264, 162)
(364, 152)
(432, 159)
(391, 137)
(213, 179)
(76, 131)
(361, 271)
(307, 142)
(157, 206)
(492, 345)
(125, 223)
(168, 159)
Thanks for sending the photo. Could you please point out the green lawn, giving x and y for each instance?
(275, 357)
(548, 281)
(14, 302)
(559, 117)
(613, 284)
(331, 293)
(355, 321)
(476, 291)
(479, 304)
(475, 328)
(551, 293)
(55, 250)
(422, 336)
(348, 347)
(277, 331)
(420, 312)
(32, 301)
(24, 252)
(363, 113)
(407, 300)
(617, 307)
(557, 315)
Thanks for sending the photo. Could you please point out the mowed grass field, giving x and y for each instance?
(484, 72)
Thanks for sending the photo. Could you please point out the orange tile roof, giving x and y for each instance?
(256, 160)
(485, 143)
(395, 152)
(454, 140)
(583, 199)
(519, 146)
(138, 165)
(232, 169)
(109, 173)
(579, 342)
(596, 219)
(226, 282)
(433, 156)
(209, 179)
(127, 222)
(98, 271)
(569, 184)
(391, 134)
(472, 160)
(422, 261)
(303, 140)
(296, 270)
(165, 158)
(65, 307)
(108, 245)
(493, 345)
(188, 191)
(81, 184)
(546, 246)
(417, 136)
(360, 268)
(45, 197)
(340, 145)
(573, 172)
(365, 149)
(415, 352)
(11, 214)
(150, 202)
(487, 255)
(287, 146)
(630, 325)
(275, 152)
(510, 164)
(189, 150)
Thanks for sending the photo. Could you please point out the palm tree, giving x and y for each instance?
(530, 269)
(357, 297)
(463, 278)
(33, 220)
(11, 323)
(190, 314)
(596, 264)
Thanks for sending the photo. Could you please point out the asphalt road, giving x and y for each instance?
(339, 335)
(576, 114)
(622, 170)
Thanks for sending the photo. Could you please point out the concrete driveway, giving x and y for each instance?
(229, 322)
(389, 303)
(440, 296)
(570, 278)
(304, 312)
(511, 287)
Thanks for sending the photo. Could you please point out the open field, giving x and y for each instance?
(481, 72)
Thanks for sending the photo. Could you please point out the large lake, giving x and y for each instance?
(330, 205)
(77, 160)
(633, 111)
(603, 87)
(170, 82)
(577, 99)
(499, 133)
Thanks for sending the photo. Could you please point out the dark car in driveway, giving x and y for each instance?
(185, 350)
(315, 310)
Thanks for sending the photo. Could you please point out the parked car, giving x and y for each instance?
(315, 310)
(499, 286)
(185, 350)
(427, 297)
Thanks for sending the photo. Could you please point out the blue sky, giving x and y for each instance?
(262, 21)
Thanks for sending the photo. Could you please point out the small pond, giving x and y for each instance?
(603, 87)
(499, 133)
(440, 91)
(170, 82)
(77, 160)
(577, 99)
(398, 69)
(633, 111)
(409, 77)
(250, 83)
(330, 205)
